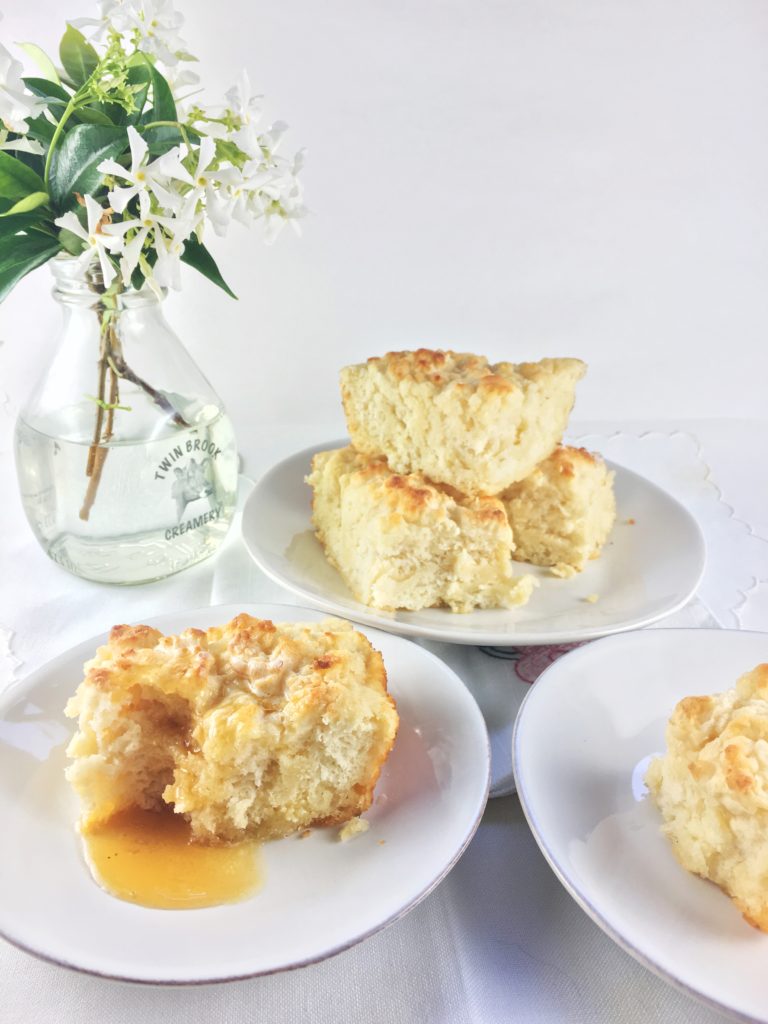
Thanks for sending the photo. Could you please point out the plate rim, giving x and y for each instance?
(582, 901)
(29, 682)
(371, 617)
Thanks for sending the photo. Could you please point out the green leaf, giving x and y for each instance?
(32, 161)
(21, 253)
(40, 128)
(12, 225)
(43, 61)
(93, 115)
(48, 90)
(163, 105)
(75, 162)
(161, 139)
(196, 255)
(113, 112)
(70, 242)
(226, 150)
(17, 180)
(30, 202)
(77, 55)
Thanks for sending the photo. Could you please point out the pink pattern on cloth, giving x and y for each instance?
(533, 660)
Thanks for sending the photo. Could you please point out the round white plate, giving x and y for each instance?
(647, 570)
(320, 896)
(584, 737)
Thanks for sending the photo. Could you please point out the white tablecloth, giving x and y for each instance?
(499, 939)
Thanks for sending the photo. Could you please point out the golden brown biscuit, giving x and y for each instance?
(401, 541)
(456, 418)
(249, 728)
(562, 513)
(711, 787)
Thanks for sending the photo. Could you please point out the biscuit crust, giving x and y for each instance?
(456, 418)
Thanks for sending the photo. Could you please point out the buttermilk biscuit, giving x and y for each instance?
(456, 418)
(404, 542)
(249, 728)
(562, 513)
(712, 790)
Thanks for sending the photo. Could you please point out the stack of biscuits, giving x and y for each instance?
(455, 467)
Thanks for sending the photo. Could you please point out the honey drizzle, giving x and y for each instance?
(148, 857)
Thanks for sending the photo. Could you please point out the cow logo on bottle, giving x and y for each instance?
(193, 480)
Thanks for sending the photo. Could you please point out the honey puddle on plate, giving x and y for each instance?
(147, 857)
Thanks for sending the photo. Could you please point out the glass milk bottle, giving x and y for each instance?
(126, 460)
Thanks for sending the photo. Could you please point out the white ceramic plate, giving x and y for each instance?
(584, 737)
(647, 570)
(320, 896)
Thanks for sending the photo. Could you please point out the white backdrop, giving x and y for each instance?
(514, 177)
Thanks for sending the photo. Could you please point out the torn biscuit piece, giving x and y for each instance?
(561, 515)
(253, 728)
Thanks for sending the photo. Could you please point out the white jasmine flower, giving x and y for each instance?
(285, 204)
(170, 165)
(167, 269)
(279, 213)
(206, 187)
(244, 111)
(206, 153)
(179, 203)
(242, 102)
(97, 241)
(146, 178)
(219, 209)
(16, 102)
(178, 79)
(166, 235)
(140, 229)
(230, 201)
(270, 140)
(234, 199)
(184, 223)
(139, 175)
(265, 188)
(212, 127)
(153, 25)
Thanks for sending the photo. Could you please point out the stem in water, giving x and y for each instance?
(112, 363)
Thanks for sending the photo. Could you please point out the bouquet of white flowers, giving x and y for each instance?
(111, 164)
(109, 157)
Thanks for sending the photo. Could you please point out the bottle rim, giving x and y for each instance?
(79, 282)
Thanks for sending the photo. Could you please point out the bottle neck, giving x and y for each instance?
(76, 284)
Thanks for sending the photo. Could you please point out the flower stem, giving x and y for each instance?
(169, 124)
(112, 363)
(161, 124)
(97, 454)
(120, 368)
